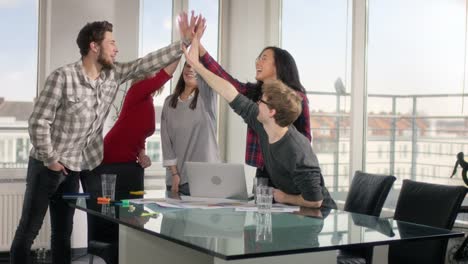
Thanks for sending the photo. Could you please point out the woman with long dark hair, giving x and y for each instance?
(188, 128)
(273, 63)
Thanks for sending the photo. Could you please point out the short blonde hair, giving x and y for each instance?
(286, 102)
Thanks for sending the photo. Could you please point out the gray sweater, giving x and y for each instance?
(189, 135)
(290, 162)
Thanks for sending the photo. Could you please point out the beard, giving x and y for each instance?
(106, 64)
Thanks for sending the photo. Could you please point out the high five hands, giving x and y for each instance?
(192, 55)
(187, 29)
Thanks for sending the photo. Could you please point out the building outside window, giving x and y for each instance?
(423, 66)
(18, 76)
(322, 54)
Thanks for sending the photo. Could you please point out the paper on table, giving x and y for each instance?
(277, 208)
(209, 200)
(168, 205)
(146, 200)
(205, 203)
(212, 203)
(193, 202)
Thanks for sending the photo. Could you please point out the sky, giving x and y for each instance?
(18, 54)
(414, 47)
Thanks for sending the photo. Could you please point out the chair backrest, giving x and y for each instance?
(427, 204)
(368, 192)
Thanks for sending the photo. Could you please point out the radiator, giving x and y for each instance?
(11, 203)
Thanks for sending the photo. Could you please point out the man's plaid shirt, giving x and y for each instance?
(68, 116)
(253, 151)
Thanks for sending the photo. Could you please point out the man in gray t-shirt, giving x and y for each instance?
(289, 159)
(292, 165)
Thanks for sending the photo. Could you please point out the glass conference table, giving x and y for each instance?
(150, 233)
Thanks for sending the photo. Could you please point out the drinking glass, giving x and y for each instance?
(108, 185)
(264, 198)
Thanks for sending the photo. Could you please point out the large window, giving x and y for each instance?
(321, 50)
(156, 23)
(18, 76)
(210, 10)
(416, 106)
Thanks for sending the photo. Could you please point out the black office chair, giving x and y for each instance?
(427, 204)
(103, 235)
(368, 192)
(367, 195)
(105, 250)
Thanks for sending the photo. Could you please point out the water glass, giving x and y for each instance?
(263, 231)
(108, 210)
(108, 185)
(264, 198)
(258, 181)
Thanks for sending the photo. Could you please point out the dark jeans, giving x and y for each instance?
(130, 177)
(44, 189)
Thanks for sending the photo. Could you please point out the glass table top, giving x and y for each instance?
(231, 234)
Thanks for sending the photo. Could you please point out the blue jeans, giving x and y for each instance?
(44, 189)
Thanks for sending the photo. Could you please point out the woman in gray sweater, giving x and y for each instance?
(188, 128)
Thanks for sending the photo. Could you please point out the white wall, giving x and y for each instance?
(60, 23)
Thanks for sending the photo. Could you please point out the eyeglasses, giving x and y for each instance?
(263, 58)
(263, 101)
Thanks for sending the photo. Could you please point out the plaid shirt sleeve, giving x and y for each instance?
(43, 116)
(302, 123)
(150, 63)
(213, 66)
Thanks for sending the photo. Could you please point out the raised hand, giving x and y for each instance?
(186, 29)
(201, 48)
(192, 54)
(200, 26)
(193, 23)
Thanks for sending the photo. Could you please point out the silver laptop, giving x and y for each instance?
(216, 180)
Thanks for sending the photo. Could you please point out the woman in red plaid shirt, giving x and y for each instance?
(273, 63)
